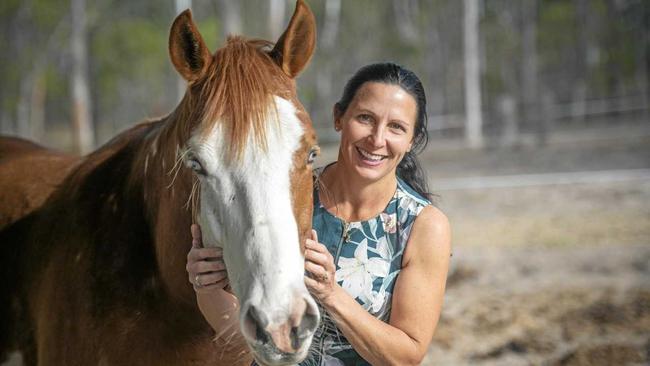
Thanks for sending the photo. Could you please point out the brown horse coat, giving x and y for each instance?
(93, 250)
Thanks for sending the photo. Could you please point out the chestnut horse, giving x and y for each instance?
(96, 275)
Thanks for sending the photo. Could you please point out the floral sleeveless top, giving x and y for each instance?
(368, 258)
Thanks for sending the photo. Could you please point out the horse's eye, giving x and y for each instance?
(196, 166)
(313, 154)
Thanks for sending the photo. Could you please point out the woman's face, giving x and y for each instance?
(376, 130)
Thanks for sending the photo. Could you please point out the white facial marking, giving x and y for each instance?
(246, 207)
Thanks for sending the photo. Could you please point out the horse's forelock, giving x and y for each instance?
(237, 91)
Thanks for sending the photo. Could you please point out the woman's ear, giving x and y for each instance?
(336, 115)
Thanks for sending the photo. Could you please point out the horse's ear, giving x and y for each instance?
(187, 50)
(296, 45)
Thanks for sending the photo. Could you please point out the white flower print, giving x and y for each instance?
(376, 299)
(389, 221)
(332, 361)
(357, 273)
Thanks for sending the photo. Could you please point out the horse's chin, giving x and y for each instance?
(268, 355)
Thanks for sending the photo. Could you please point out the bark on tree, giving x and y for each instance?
(406, 12)
(328, 41)
(276, 18)
(231, 21)
(473, 115)
(37, 106)
(81, 103)
(579, 106)
(181, 84)
(529, 81)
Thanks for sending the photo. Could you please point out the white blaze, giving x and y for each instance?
(246, 207)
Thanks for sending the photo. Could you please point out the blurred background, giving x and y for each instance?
(539, 147)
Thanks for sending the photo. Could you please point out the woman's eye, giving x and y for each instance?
(365, 118)
(312, 155)
(397, 126)
(195, 166)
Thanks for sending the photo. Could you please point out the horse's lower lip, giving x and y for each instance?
(268, 355)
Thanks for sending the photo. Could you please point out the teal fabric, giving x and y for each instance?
(368, 258)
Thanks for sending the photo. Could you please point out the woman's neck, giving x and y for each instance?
(351, 198)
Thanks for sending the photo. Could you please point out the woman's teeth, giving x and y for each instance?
(370, 156)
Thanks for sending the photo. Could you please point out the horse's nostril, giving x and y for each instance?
(295, 339)
(302, 332)
(258, 323)
(307, 325)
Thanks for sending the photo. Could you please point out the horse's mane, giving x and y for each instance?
(236, 90)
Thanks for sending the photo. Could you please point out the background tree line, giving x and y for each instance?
(538, 65)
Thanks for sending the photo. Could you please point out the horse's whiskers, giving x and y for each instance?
(177, 167)
(191, 198)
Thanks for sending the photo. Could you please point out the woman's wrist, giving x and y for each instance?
(329, 302)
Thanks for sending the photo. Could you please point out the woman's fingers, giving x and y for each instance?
(318, 271)
(197, 237)
(211, 278)
(223, 284)
(311, 284)
(202, 267)
(315, 255)
(197, 254)
(318, 256)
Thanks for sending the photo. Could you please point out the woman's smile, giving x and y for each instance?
(369, 158)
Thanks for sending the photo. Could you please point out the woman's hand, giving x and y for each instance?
(319, 264)
(205, 267)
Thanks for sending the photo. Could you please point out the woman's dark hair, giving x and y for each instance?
(389, 73)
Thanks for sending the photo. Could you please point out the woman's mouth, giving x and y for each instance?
(370, 158)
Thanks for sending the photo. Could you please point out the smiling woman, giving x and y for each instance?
(378, 257)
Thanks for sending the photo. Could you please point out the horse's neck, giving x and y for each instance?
(167, 185)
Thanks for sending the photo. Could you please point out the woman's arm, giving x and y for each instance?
(417, 296)
(207, 273)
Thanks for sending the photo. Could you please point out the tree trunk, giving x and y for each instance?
(529, 81)
(406, 12)
(181, 84)
(473, 126)
(37, 106)
(276, 18)
(508, 112)
(230, 17)
(324, 90)
(81, 103)
(331, 26)
(22, 114)
(579, 97)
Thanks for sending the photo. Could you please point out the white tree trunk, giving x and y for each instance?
(406, 14)
(474, 118)
(37, 106)
(230, 11)
(81, 104)
(328, 42)
(331, 26)
(181, 84)
(22, 109)
(276, 18)
(529, 79)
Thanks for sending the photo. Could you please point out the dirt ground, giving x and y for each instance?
(549, 274)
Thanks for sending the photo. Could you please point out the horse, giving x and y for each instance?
(95, 275)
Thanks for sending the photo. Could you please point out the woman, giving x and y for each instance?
(377, 262)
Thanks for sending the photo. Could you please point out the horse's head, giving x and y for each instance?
(251, 144)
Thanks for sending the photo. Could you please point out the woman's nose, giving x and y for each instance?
(377, 137)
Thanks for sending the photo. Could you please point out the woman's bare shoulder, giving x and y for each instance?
(430, 237)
